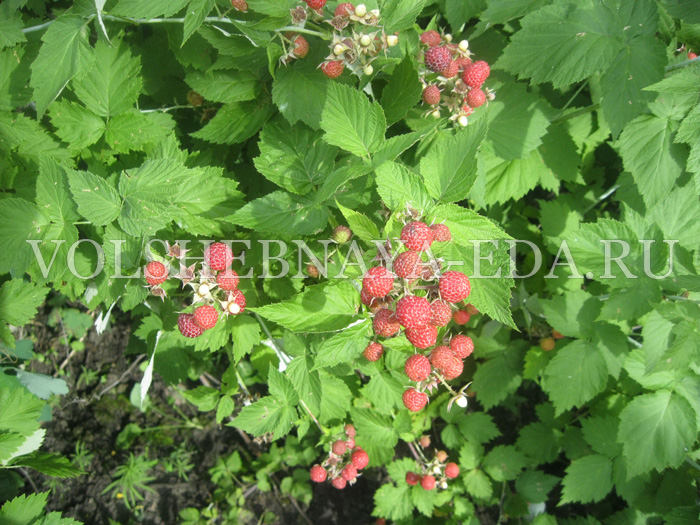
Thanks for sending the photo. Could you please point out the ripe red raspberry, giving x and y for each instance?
(345, 9)
(341, 234)
(451, 470)
(440, 313)
(476, 74)
(339, 483)
(417, 236)
(218, 256)
(427, 482)
(236, 301)
(454, 369)
(431, 38)
(360, 459)
(156, 273)
(461, 317)
(227, 280)
(350, 442)
(315, 4)
(413, 311)
(240, 5)
(408, 265)
(414, 400)
(378, 281)
(374, 303)
(339, 447)
(206, 316)
(454, 286)
(441, 357)
(431, 95)
(349, 472)
(301, 46)
(437, 58)
(473, 310)
(452, 70)
(441, 233)
(476, 97)
(423, 336)
(188, 327)
(318, 474)
(385, 323)
(349, 430)
(412, 478)
(333, 69)
(691, 55)
(463, 62)
(417, 367)
(373, 352)
(462, 346)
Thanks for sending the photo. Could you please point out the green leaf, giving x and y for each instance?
(302, 77)
(361, 225)
(375, 434)
(576, 374)
(203, 397)
(342, 347)
(76, 125)
(502, 11)
(385, 391)
(478, 427)
(23, 510)
(588, 479)
(269, 415)
(19, 301)
(517, 122)
(19, 221)
(504, 463)
(540, 442)
(294, 158)
(499, 377)
(306, 381)
(401, 15)
(398, 186)
(284, 213)
(351, 121)
(402, 92)
(336, 399)
(572, 313)
(686, 11)
(29, 139)
(10, 27)
(570, 40)
(450, 166)
(235, 123)
(132, 130)
(14, 79)
(49, 464)
(650, 155)
(20, 411)
(41, 385)
(321, 308)
(505, 180)
(478, 484)
(245, 333)
(113, 85)
(223, 86)
(196, 12)
(151, 9)
(656, 430)
(535, 485)
(678, 216)
(62, 55)
(393, 502)
(96, 198)
(600, 432)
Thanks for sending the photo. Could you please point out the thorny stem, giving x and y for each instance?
(442, 380)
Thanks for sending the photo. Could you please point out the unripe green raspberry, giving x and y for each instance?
(341, 234)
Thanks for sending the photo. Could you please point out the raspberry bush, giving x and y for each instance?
(441, 255)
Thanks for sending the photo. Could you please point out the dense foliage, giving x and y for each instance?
(124, 122)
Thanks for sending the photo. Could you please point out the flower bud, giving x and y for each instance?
(361, 10)
(463, 45)
(392, 40)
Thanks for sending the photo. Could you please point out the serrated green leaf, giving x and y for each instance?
(294, 158)
(20, 412)
(235, 122)
(503, 463)
(570, 40)
(245, 333)
(203, 397)
(656, 430)
(393, 502)
(342, 347)
(306, 381)
(502, 11)
(151, 9)
(450, 166)
(504, 180)
(402, 92)
(572, 314)
(385, 391)
(398, 186)
(321, 308)
(351, 122)
(361, 225)
(478, 484)
(14, 79)
(535, 485)
(401, 15)
(29, 139)
(375, 434)
(499, 377)
(19, 301)
(113, 85)
(268, 415)
(75, 124)
(678, 216)
(284, 213)
(336, 399)
(49, 464)
(575, 375)
(132, 130)
(195, 14)
(600, 432)
(302, 77)
(540, 442)
(62, 55)
(23, 509)
(223, 85)
(97, 200)
(41, 385)
(588, 479)
(10, 27)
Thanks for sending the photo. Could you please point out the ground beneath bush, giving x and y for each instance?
(95, 412)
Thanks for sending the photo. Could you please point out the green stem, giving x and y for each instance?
(683, 64)
(577, 113)
(692, 462)
(296, 29)
(573, 97)
(681, 298)
(165, 110)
